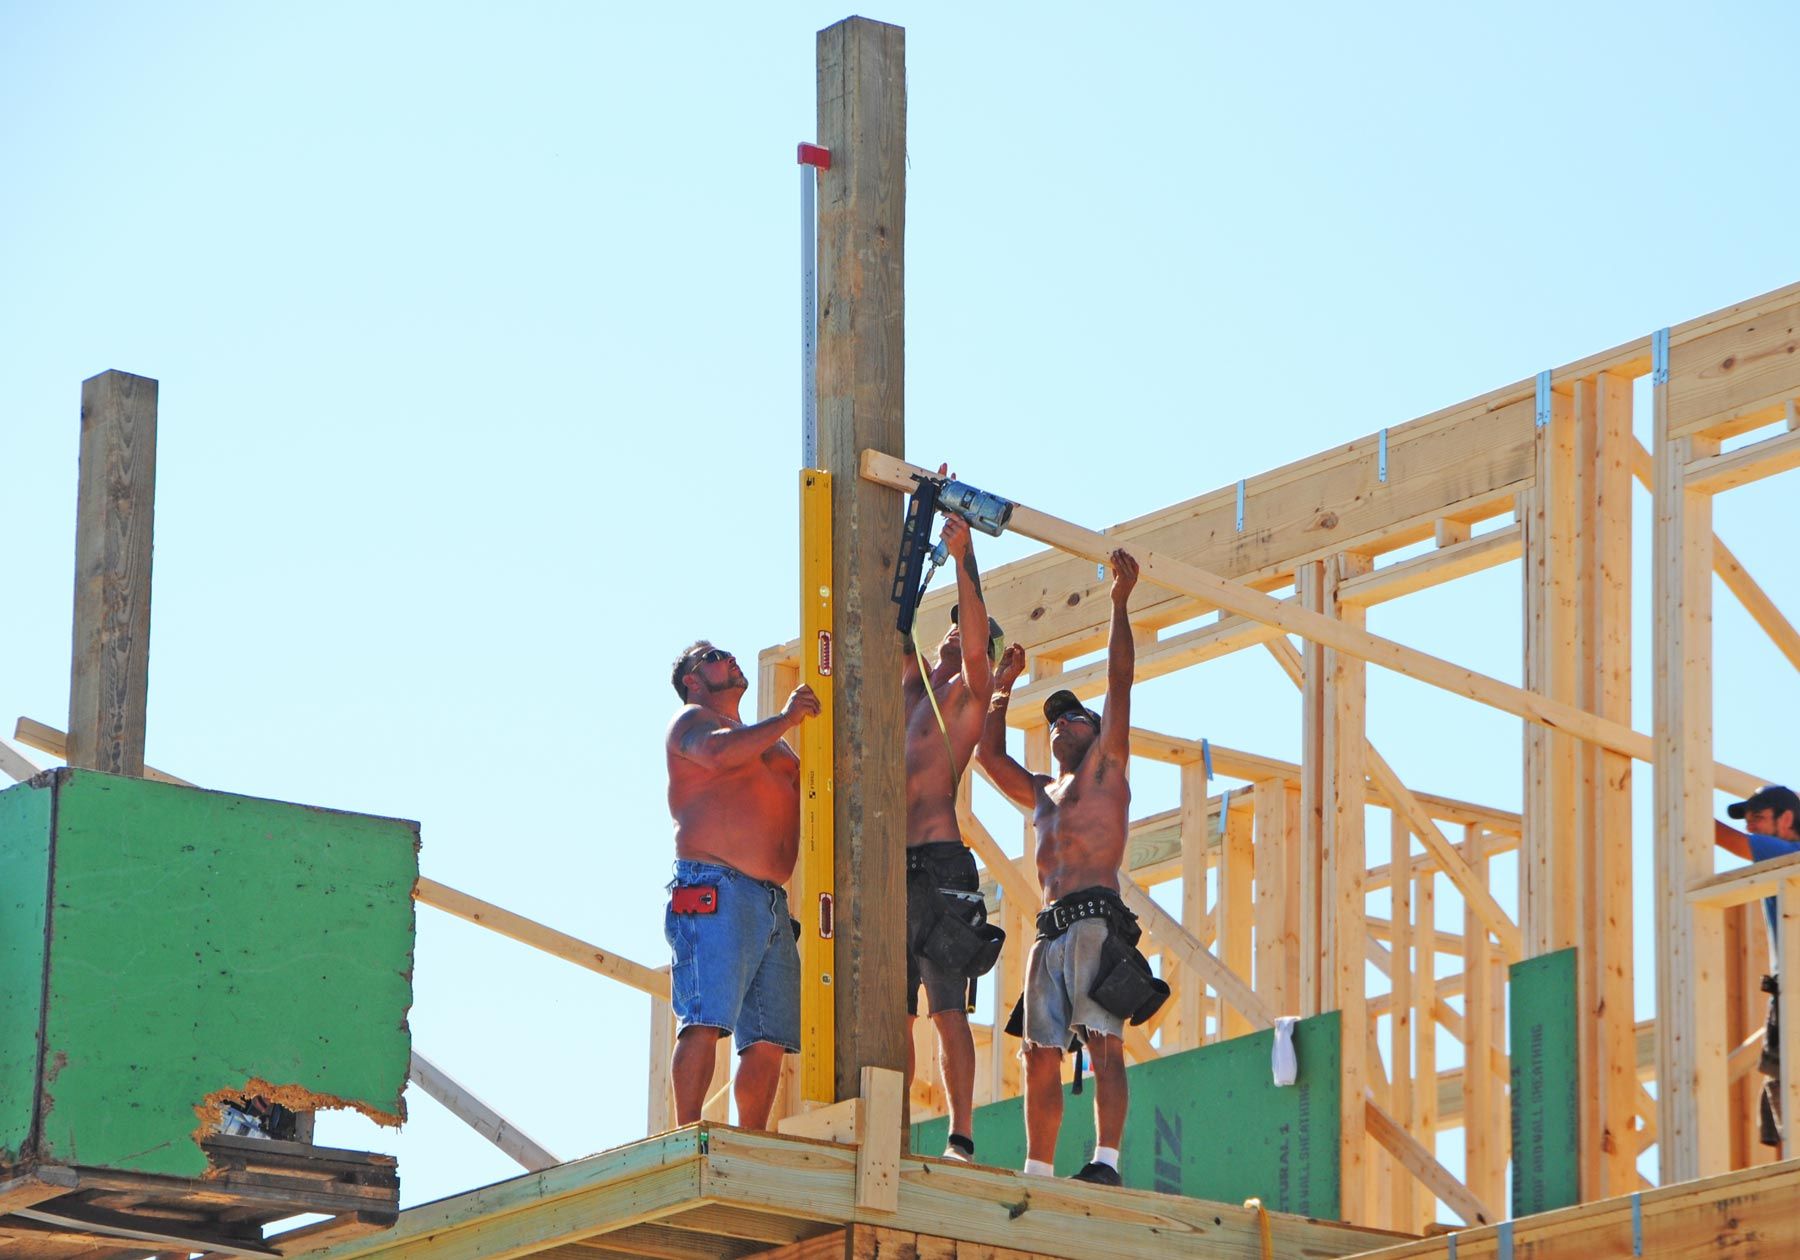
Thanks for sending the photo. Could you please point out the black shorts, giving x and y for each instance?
(950, 867)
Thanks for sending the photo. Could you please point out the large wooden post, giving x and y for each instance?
(115, 508)
(862, 222)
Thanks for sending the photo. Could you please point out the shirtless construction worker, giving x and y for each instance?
(735, 793)
(948, 939)
(1771, 818)
(1085, 977)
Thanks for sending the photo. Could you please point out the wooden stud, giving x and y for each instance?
(114, 515)
(1425, 1035)
(1310, 586)
(1346, 859)
(1689, 947)
(1236, 909)
(1401, 1207)
(1191, 1000)
(861, 377)
(1277, 810)
(1607, 970)
(1484, 1168)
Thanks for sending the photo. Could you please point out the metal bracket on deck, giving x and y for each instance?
(1543, 398)
(1659, 357)
(1381, 456)
(1240, 505)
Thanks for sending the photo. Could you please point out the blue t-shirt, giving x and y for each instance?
(1762, 848)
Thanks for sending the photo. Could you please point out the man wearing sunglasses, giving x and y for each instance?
(734, 791)
(949, 941)
(1084, 977)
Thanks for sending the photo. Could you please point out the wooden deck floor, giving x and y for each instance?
(713, 1191)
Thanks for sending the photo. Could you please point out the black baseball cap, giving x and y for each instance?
(1774, 797)
(1061, 702)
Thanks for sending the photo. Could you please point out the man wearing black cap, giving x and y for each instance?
(948, 939)
(1084, 977)
(1771, 817)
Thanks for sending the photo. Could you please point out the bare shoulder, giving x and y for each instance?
(690, 721)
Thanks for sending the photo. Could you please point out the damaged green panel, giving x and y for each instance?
(24, 875)
(199, 941)
(1209, 1123)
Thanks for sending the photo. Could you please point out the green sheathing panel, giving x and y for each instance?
(24, 882)
(1546, 1110)
(200, 941)
(1209, 1123)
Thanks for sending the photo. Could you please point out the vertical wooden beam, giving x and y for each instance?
(1276, 804)
(661, 1098)
(114, 513)
(1309, 586)
(1549, 849)
(1401, 1204)
(1690, 1060)
(862, 224)
(1237, 857)
(1346, 860)
(1425, 1071)
(1789, 1106)
(1191, 991)
(1608, 1030)
(1485, 1170)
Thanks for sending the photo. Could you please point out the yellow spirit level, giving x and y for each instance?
(814, 906)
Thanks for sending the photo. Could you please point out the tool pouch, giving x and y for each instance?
(960, 948)
(1125, 985)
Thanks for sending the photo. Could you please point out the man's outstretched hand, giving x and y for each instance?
(1125, 576)
(1012, 664)
(802, 704)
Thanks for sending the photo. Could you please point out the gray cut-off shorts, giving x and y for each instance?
(1058, 975)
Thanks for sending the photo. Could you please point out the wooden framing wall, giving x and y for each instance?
(1273, 883)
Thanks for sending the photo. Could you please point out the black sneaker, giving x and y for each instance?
(1099, 1174)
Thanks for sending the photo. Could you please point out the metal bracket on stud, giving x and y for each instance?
(1659, 357)
(1381, 455)
(1240, 505)
(1543, 398)
(1503, 1240)
(1637, 1223)
(1450, 1242)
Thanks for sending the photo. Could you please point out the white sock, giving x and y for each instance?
(1038, 1168)
(1108, 1155)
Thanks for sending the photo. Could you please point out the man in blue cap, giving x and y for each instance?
(1770, 816)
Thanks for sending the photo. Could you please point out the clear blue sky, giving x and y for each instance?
(476, 329)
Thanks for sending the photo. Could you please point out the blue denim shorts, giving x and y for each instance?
(738, 968)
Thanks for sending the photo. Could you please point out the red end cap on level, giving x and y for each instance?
(814, 155)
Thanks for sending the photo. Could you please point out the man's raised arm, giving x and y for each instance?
(971, 610)
(1121, 661)
(1015, 782)
(705, 739)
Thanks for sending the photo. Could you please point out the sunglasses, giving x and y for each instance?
(708, 657)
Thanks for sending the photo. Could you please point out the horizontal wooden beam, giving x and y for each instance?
(1747, 883)
(1475, 555)
(886, 470)
(1713, 474)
